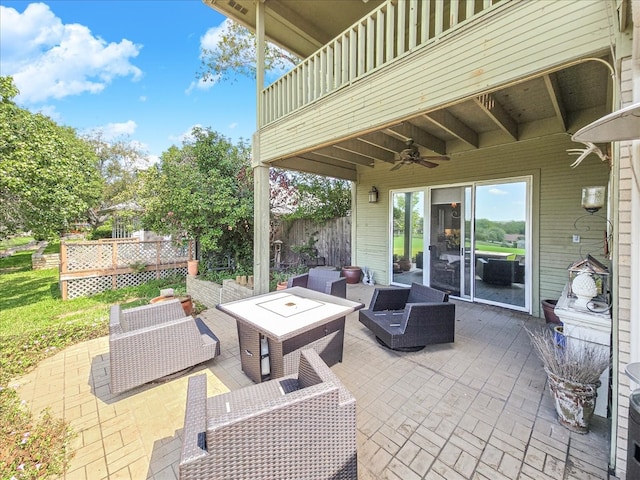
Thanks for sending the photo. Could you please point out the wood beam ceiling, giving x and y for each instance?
(500, 117)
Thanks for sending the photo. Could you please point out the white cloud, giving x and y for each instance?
(210, 39)
(50, 111)
(233, 125)
(112, 131)
(497, 191)
(143, 98)
(152, 159)
(185, 136)
(201, 84)
(48, 59)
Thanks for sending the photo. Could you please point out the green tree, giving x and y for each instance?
(204, 191)
(48, 175)
(315, 197)
(235, 54)
(118, 162)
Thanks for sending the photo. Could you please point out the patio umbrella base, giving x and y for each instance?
(400, 349)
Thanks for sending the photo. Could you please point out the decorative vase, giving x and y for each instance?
(574, 402)
(192, 267)
(584, 287)
(352, 274)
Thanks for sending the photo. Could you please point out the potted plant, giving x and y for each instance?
(405, 264)
(352, 274)
(281, 279)
(573, 370)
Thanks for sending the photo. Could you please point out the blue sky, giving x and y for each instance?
(124, 67)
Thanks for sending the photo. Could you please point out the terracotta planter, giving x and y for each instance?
(192, 267)
(352, 274)
(185, 300)
(281, 285)
(405, 265)
(549, 315)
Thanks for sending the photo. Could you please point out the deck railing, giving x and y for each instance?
(387, 33)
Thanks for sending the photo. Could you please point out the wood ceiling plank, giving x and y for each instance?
(446, 121)
(420, 137)
(367, 149)
(551, 82)
(494, 110)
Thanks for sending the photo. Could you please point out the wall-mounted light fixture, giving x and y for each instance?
(592, 198)
(373, 195)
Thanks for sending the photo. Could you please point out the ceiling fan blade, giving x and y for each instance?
(424, 163)
(396, 166)
(435, 157)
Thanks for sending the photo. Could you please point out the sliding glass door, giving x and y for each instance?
(407, 257)
(502, 243)
(471, 241)
(448, 232)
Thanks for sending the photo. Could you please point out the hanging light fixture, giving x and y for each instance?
(373, 195)
(592, 198)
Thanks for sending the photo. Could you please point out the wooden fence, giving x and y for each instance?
(109, 264)
(333, 240)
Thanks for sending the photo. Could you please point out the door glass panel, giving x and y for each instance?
(465, 290)
(500, 243)
(446, 268)
(407, 257)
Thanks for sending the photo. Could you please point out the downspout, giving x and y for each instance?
(261, 213)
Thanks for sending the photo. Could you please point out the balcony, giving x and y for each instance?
(391, 31)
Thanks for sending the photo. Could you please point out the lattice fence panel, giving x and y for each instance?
(93, 267)
(170, 252)
(85, 256)
(134, 279)
(81, 287)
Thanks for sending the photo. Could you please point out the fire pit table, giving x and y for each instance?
(272, 328)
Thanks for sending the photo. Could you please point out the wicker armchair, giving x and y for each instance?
(408, 319)
(294, 427)
(149, 342)
(321, 280)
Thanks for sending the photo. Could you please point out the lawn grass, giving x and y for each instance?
(417, 246)
(15, 242)
(36, 323)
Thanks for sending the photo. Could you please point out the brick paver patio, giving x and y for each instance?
(477, 408)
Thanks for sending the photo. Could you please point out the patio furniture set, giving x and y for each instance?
(298, 420)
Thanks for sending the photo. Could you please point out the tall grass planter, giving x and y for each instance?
(573, 373)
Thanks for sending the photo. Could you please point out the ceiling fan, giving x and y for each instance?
(411, 155)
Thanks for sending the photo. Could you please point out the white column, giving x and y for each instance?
(260, 173)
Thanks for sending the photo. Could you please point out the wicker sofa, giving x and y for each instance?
(321, 280)
(152, 341)
(408, 319)
(294, 427)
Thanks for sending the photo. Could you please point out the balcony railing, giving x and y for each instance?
(387, 33)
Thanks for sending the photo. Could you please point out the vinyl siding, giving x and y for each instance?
(556, 204)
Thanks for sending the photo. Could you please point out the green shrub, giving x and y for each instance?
(103, 231)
